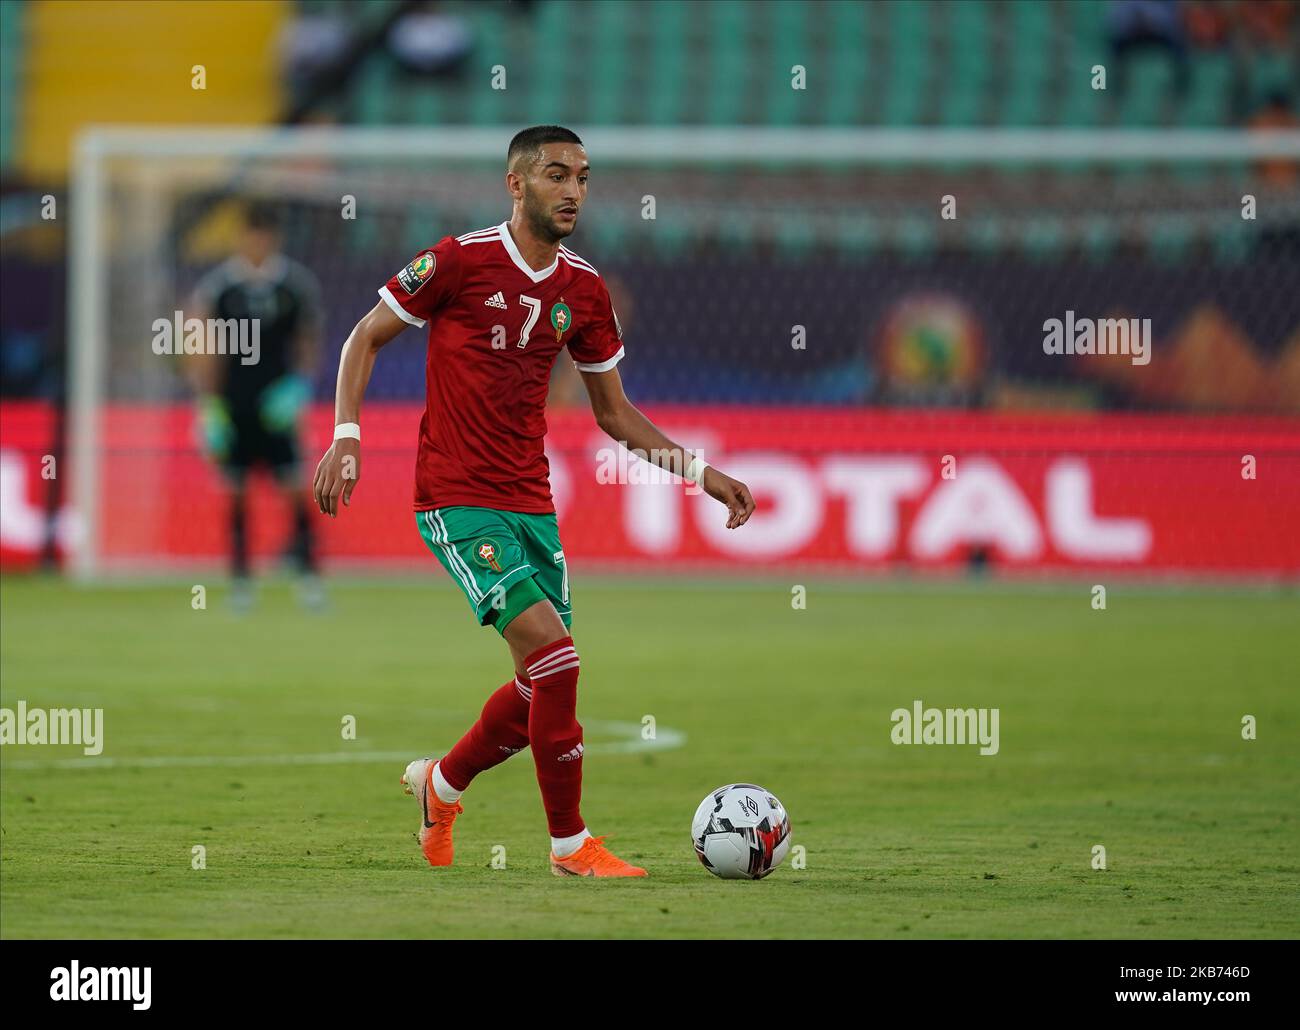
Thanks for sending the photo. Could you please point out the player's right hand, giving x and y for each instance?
(337, 475)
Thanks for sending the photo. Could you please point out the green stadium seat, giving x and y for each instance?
(1043, 237)
(670, 236)
(986, 235)
(422, 228)
(1148, 87)
(606, 235)
(1098, 239)
(846, 102)
(908, 57)
(1211, 87)
(895, 62)
(967, 78)
(916, 238)
(736, 232)
(1081, 105)
(1270, 72)
(546, 82)
(1231, 243)
(1029, 57)
(795, 237)
(1171, 238)
(374, 90)
(11, 65)
(859, 236)
(669, 67)
(729, 62)
(607, 51)
(492, 34)
(789, 47)
(426, 107)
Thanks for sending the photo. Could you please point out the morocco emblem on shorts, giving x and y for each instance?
(485, 553)
(561, 316)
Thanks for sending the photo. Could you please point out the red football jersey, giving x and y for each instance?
(495, 329)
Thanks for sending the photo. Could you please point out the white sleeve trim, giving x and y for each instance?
(398, 310)
(601, 366)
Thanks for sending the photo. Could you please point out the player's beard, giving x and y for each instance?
(543, 222)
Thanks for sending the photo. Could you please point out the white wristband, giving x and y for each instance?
(695, 470)
(347, 431)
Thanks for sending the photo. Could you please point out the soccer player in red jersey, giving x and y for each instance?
(500, 304)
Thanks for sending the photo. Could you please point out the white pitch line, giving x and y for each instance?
(665, 740)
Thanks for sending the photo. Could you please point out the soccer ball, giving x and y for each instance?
(741, 832)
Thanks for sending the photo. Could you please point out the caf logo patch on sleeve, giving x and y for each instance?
(417, 273)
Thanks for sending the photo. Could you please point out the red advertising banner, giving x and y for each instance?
(838, 490)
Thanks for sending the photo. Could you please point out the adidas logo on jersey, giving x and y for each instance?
(572, 756)
(496, 301)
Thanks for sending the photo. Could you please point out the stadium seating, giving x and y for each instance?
(987, 62)
(662, 62)
(11, 66)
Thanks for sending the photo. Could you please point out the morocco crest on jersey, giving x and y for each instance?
(561, 316)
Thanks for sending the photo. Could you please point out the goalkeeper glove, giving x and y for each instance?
(213, 427)
(282, 402)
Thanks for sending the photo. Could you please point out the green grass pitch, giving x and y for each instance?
(1119, 727)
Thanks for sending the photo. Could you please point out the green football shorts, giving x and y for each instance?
(503, 561)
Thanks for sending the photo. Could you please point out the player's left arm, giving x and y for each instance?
(283, 401)
(309, 331)
(621, 420)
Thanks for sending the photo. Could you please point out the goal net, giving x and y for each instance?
(1010, 350)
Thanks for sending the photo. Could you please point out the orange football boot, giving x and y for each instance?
(594, 859)
(436, 817)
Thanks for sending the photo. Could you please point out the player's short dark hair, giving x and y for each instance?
(528, 142)
(263, 215)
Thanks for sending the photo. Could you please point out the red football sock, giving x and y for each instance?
(501, 730)
(555, 734)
